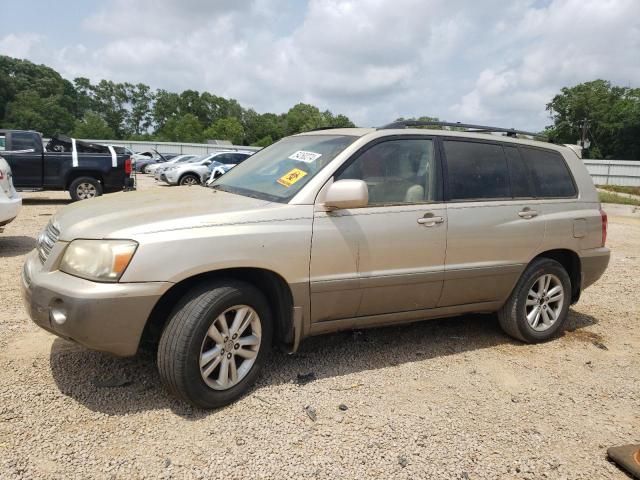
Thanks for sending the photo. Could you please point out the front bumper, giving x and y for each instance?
(108, 317)
(594, 262)
(170, 177)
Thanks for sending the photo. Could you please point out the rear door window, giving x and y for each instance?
(3, 143)
(521, 184)
(550, 174)
(476, 170)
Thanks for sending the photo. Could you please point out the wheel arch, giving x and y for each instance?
(182, 175)
(570, 260)
(272, 285)
(76, 173)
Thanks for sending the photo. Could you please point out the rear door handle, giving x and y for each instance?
(429, 220)
(527, 213)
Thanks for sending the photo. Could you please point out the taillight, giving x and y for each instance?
(1, 175)
(127, 166)
(605, 222)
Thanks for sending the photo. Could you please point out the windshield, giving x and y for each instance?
(183, 159)
(279, 171)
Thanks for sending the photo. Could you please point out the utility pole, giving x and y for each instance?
(584, 133)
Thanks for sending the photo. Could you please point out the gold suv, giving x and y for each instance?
(323, 231)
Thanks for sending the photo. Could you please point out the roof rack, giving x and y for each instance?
(467, 127)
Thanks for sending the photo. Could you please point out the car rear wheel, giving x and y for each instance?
(84, 188)
(189, 180)
(215, 343)
(538, 306)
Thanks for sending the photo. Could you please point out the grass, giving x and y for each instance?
(607, 197)
(621, 189)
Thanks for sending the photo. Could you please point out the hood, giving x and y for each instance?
(127, 214)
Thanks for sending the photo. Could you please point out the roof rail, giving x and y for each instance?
(467, 127)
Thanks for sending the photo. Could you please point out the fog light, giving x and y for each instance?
(57, 316)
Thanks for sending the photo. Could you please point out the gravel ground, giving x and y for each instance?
(451, 398)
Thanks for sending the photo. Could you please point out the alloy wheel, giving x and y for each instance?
(230, 347)
(545, 300)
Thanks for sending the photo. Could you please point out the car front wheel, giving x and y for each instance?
(189, 180)
(538, 306)
(215, 343)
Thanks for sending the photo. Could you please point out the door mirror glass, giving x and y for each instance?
(347, 194)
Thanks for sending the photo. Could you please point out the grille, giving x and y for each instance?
(46, 241)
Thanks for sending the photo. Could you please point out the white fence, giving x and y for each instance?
(172, 147)
(614, 172)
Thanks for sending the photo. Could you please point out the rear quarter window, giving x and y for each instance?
(550, 173)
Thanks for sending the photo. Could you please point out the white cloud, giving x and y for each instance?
(20, 45)
(373, 60)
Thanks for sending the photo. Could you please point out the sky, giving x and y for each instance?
(496, 62)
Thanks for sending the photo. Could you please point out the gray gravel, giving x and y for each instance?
(451, 398)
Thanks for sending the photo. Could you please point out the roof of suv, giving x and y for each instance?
(361, 132)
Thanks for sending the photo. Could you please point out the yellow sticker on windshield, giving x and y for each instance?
(291, 177)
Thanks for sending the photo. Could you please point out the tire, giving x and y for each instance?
(519, 316)
(84, 188)
(187, 350)
(189, 179)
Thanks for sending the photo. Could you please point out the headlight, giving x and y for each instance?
(98, 260)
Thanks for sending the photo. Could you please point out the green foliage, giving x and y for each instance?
(226, 129)
(621, 189)
(612, 116)
(186, 128)
(263, 142)
(93, 126)
(607, 197)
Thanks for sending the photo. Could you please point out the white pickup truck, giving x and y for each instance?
(10, 202)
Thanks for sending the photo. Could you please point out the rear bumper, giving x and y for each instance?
(108, 317)
(9, 208)
(594, 263)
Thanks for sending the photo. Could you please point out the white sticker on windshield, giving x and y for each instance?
(306, 157)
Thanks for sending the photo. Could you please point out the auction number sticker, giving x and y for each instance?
(304, 156)
(291, 177)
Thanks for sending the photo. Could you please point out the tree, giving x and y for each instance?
(93, 126)
(609, 115)
(30, 111)
(111, 100)
(263, 142)
(226, 129)
(140, 115)
(186, 128)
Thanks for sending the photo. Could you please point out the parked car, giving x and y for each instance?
(85, 172)
(10, 202)
(219, 168)
(151, 159)
(154, 167)
(320, 232)
(194, 172)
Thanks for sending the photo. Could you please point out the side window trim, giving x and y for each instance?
(445, 170)
(437, 159)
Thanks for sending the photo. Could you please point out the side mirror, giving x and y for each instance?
(347, 194)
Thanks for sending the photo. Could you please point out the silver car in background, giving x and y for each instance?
(151, 169)
(10, 202)
(195, 172)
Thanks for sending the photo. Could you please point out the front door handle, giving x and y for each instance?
(527, 213)
(429, 220)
